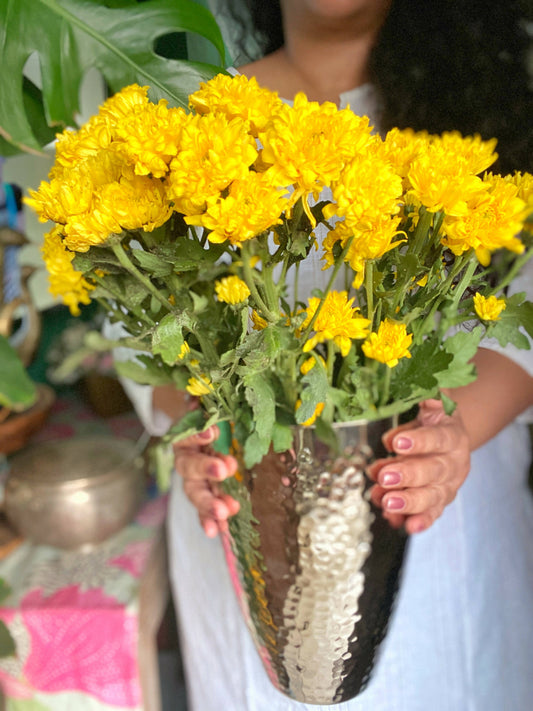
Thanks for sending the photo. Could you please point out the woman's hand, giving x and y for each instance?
(432, 461)
(202, 469)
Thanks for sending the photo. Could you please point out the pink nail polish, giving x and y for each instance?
(390, 478)
(403, 443)
(395, 503)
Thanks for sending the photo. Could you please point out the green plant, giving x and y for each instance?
(17, 390)
(117, 37)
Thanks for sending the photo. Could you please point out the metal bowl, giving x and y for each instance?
(76, 492)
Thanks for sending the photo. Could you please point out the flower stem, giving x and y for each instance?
(386, 386)
(369, 288)
(128, 265)
(331, 281)
(250, 280)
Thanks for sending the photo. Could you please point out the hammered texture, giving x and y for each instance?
(315, 565)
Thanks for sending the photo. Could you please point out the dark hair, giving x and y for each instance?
(448, 65)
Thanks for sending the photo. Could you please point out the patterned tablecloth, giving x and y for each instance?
(75, 618)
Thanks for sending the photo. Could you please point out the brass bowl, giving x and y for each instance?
(73, 493)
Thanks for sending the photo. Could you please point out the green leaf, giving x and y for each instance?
(71, 36)
(315, 390)
(152, 263)
(168, 338)
(281, 437)
(417, 375)
(518, 314)
(142, 374)
(254, 450)
(261, 398)
(462, 346)
(7, 643)
(17, 390)
(5, 590)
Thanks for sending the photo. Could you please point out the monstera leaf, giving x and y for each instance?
(71, 36)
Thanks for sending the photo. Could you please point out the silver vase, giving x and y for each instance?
(315, 565)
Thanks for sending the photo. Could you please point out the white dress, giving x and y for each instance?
(461, 638)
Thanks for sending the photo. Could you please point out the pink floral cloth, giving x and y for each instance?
(76, 623)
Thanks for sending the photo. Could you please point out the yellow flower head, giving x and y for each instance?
(184, 350)
(310, 363)
(237, 96)
(252, 206)
(494, 220)
(389, 344)
(318, 411)
(337, 321)
(213, 153)
(65, 281)
(199, 386)
(444, 177)
(258, 322)
(368, 190)
(401, 147)
(308, 143)
(136, 203)
(149, 139)
(372, 243)
(232, 290)
(119, 107)
(488, 309)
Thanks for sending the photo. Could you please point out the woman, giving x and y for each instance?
(465, 608)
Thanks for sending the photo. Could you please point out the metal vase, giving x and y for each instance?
(315, 565)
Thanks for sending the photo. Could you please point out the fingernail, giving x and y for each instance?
(390, 478)
(214, 471)
(395, 503)
(403, 443)
(205, 435)
(418, 528)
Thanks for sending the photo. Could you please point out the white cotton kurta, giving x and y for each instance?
(461, 638)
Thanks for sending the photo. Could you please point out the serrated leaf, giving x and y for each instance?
(418, 374)
(254, 450)
(517, 314)
(315, 390)
(71, 36)
(460, 371)
(261, 398)
(167, 339)
(151, 263)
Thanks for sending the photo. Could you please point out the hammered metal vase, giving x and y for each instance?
(315, 565)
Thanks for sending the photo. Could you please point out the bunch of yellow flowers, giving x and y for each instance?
(193, 230)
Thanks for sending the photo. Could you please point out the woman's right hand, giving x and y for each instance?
(202, 470)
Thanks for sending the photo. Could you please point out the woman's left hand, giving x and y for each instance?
(431, 463)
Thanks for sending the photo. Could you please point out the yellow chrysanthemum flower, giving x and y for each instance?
(252, 206)
(389, 344)
(258, 322)
(444, 177)
(307, 145)
(368, 190)
(237, 96)
(136, 203)
(493, 221)
(65, 281)
(72, 147)
(119, 107)
(184, 350)
(319, 409)
(232, 290)
(213, 153)
(150, 138)
(371, 243)
(488, 309)
(199, 386)
(310, 363)
(337, 321)
(401, 147)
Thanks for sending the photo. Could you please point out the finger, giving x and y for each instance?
(194, 464)
(413, 472)
(201, 439)
(376, 495)
(390, 434)
(429, 439)
(415, 501)
(421, 522)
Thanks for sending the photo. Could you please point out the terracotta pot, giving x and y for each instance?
(16, 430)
